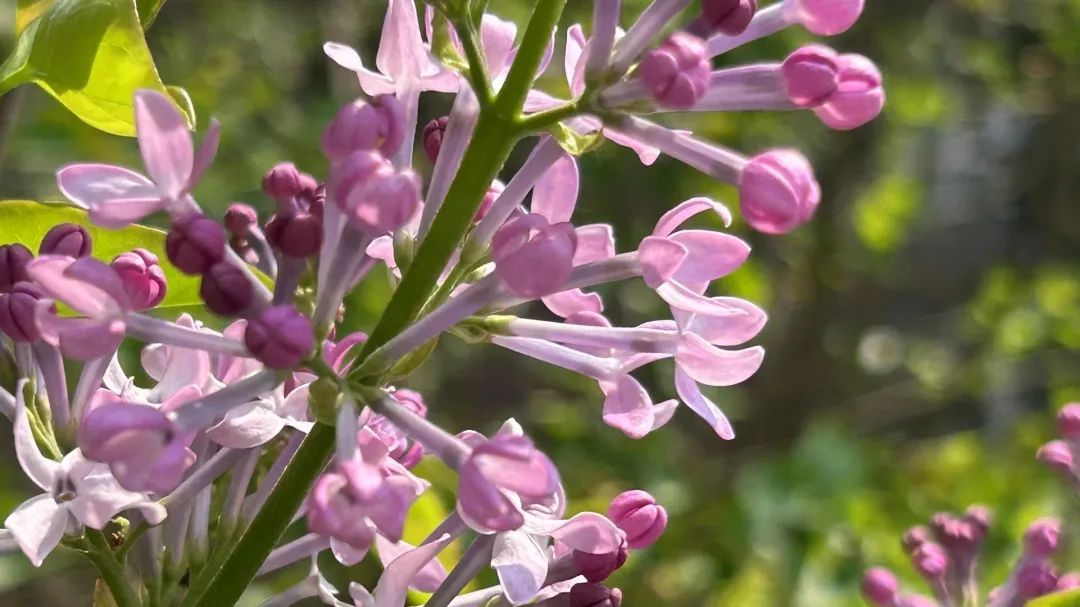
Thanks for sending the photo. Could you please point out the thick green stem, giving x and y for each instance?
(112, 572)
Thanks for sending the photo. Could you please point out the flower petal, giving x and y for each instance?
(555, 193)
(683, 211)
(164, 141)
(394, 582)
(660, 259)
(567, 303)
(247, 426)
(346, 554)
(402, 54)
(715, 366)
(99, 497)
(114, 196)
(206, 153)
(87, 285)
(691, 394)
(37, 525)
(42, 470)
(80, 338)
(627, 407)
(711, 255)
(596, 242)
(373, 83)
(521, 565)
(427, 579)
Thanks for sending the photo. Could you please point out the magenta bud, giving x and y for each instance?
(599, 567)
(811, 75)
(879, 586)
(360, 125)
(1041, 537)
(594, 595)
(384, 201)
(728, 16)
(139, 443)
(1057, 455)
(280, 337)
(534, 258)
(639, 516)
(295, 234)
(13, 260)
(980, 518)
(490, 197)
(1036, 579)
(931, 561)
(1068, 420)
(226, 289)
(18, 309)
(778, 192)
(195, 243)
(433, 136)
(859, 96)
(67, 239)
(826, 17)
(676, 72)
(143, 279)
(915, 537)
(284, 182)
(239, 218)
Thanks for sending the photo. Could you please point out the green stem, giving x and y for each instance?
(239, 568)
(477, 66)
(547, 118)
(112, 572)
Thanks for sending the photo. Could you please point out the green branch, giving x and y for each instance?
(99, 552)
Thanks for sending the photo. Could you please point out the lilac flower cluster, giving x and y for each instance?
(171, 470)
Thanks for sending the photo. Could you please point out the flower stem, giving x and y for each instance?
(112, 572)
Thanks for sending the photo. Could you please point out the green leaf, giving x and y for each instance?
(28, 10)
(573, 143)
(26, 222)
(148, 11)
(91, 56)
(1070, 598)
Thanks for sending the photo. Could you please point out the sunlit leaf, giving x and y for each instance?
(91, 56)
(1060, 599)
(27, 222)
(28, 10)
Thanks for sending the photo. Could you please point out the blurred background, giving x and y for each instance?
(924, 326)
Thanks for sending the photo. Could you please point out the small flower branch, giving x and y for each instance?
(97, 549)
(477, 74)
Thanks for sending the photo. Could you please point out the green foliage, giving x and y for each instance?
(91, 56)
(27, 222)
(1060, 599)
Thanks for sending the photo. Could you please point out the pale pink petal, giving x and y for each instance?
(587, 532)
(646, 153)
(573, 65)
(555, 193)
(679, 296)
(683, 211)
(99, 497)
(427, 579)
(596, 242)
(42, 470)
(660, 259)
(627, 407)
(346, 554)
(521, 564)
(567, 303)
(711, 255)
(715, 366)
(51, 273)
(80, 338)
(247, 426)
(114, 196)
(691, 394)
(164, 141)
(402, 54)
(373, 83)
(96, 273)
(497, 39)
(360, 595)
(728, 329)
(37, 525)
(204, 157)
(394, 583)
(538, 101)
(663, 412)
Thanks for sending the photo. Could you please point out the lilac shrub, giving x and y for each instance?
(161, 487)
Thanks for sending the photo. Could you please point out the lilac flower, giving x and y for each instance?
(496, 471)
(76, 492)
(116, 197)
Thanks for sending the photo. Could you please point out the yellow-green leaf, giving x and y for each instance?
(90, 55)
(26, 222)
(1070, 598)
(28, 10)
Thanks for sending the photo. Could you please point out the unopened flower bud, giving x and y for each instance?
(639, 516)
(195, 243)
(226, 289)
(824, 17)
(295, 234)
(490, 197)
(728, 16)
(280, 337)
(13, 260)
(534, 258)
(1041, 537)
(677, 72)
(383, 202)
(979, 517)
(433, 136)
(17, 311)
(144, 280)
(599, 567)
(811, 75)
(879, 586)
(378, 125)
(915, 537)
(594, 595)
(931, 561)
(284, 182)
(778, 192)
(1036, 579)
(859, 96)
(239, 218)
(67, 239)
(1068, 421)
(1057, 455)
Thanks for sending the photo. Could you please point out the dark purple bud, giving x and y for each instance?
(66, 239)
(594, 595)
(599, 567)
(915, 537)
(280, 337)
(239, 218)
(226, 290)
(1041, 538)
(144, 280)
(879, 587)
(728, 16)
(378, 125)
(639, 516)
(1057, 455)
(195, 243)
(13, 260)
(18, 309)
(284, 182)
(1036, 579)
(1069, 421)
(433, 136)
(295, 234)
